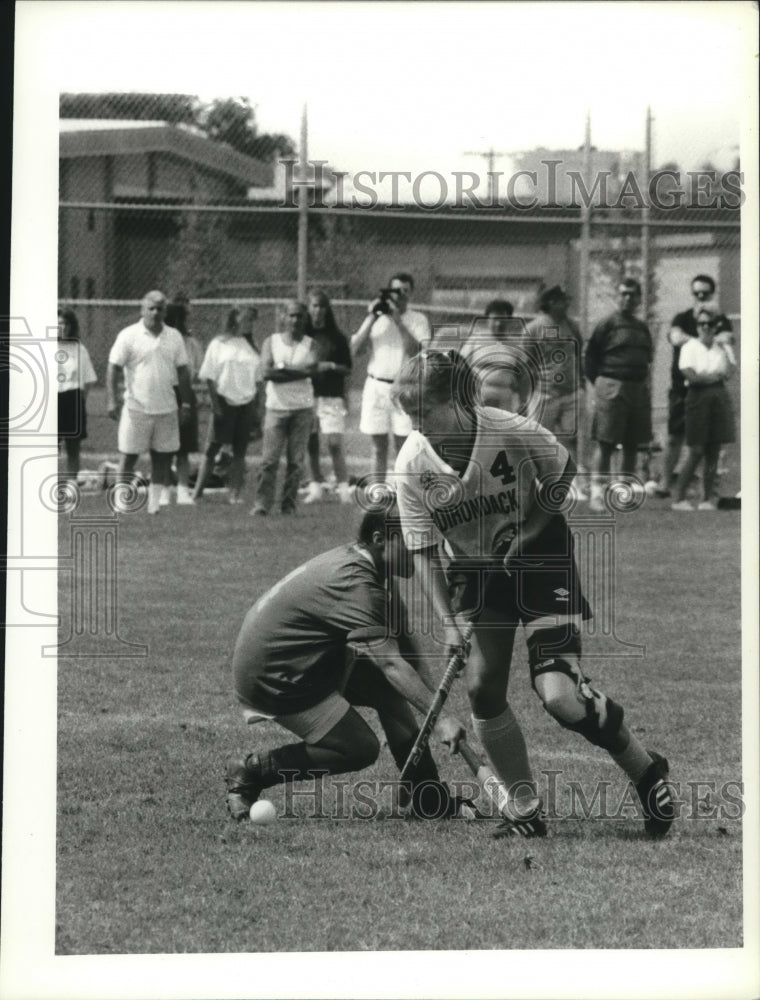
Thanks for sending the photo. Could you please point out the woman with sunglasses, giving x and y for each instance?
(705, 362)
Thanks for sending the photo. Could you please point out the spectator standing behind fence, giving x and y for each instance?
(705, 363)
(288, 362)
(177, 314)
(153, 359)
(393, 333)
(683, 329)
(230, 369)
(617, 362)
(75, 375)
(496, 354)
(248, 316)
(329, 381)
(556, 353)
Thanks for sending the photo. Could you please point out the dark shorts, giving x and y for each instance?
(188, 429)
(233, 426)
(677, 412)
(548, 586)
(622, 412)
(72, 415)
(709, 416)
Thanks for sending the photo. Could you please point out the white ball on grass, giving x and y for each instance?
(262, 813)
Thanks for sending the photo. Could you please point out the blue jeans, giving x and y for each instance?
(287, 429)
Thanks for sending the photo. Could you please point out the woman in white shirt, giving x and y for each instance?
(75, 376)
(231, 371)
(706, 362)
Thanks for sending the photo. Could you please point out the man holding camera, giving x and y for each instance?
(393, 333)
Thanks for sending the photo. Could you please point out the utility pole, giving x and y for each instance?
(645, 230)
(585, 230)
(490, 156)
(303, 208)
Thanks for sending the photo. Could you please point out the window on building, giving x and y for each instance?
(90, 288)
(74, 287)
(91, 220)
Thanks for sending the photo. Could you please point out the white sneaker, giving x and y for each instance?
(166, 496)
(184, 496)
(314, 493)
(345, 492)
(681, 505)
(706, 505)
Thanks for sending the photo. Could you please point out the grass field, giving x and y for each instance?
(147, 861)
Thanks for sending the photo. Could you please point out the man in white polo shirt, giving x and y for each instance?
(393, 333)
(153, 360)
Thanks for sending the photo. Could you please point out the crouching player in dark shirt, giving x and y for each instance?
(482, 489)
(293, 664)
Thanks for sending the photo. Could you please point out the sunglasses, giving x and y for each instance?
(702, 293)
(705, 326)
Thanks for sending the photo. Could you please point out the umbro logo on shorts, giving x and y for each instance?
(562, 594)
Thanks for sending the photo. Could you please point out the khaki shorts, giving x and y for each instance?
(379, 415)
(311, 724)
(141, 432)
(331, 414)
(560, 414)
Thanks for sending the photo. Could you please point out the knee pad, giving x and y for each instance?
(602, 718)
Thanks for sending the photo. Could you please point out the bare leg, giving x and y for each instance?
(694, 456)
(630, 457)
(183, 468)
(672, 454)
(337, 456)
(602, 463)
(72, 459)
(313, 452)
(379, 454)
(712, 454)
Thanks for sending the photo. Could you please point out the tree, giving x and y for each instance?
(233, 120)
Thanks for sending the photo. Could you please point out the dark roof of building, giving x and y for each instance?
(120, 141)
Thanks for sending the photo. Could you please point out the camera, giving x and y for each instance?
(382, 307)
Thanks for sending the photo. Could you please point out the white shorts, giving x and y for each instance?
(379, 415)
(141, 432)
(331, 414)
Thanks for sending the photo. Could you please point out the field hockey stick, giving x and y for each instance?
(454, 668)
(495, 790)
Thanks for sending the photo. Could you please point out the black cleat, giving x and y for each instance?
(656, 800)
(242, 775)
(527, 827)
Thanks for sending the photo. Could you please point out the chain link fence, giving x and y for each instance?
(148, 205)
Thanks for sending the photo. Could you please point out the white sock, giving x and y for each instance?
(154, 496)
(504, 743)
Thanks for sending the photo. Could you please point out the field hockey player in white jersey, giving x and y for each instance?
(482, 490)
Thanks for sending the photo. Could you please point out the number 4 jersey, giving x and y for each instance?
(476, 512)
